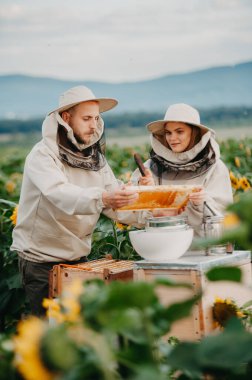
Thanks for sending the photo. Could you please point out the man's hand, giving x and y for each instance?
(147, 180)
(198, 197)
(119, 198)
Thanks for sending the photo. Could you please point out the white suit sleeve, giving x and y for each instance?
(218, 188)
(47, 176)
(218, 195)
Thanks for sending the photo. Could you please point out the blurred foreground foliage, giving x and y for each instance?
(121, 331)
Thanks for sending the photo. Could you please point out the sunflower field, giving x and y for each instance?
(84, 326)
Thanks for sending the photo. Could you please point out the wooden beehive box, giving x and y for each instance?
(106, 269)
(191, 269)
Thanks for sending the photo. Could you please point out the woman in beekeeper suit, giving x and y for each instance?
(185, 152)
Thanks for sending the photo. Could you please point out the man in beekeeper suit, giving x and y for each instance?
(67, 184)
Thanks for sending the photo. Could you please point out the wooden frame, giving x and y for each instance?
(200, 322)
(106, 269)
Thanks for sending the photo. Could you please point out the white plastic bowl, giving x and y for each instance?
(163, 245)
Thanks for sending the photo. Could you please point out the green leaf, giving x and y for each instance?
(147, 372)
(172, 284)
(184, 356)
(14, 281)
(132, 294)
(16, 303)
(239, 235)
(243, 207)
(228, 350)
(225, 353)
(58, 351)
(127, 323)
(119, 303)
(8, 203)
(247, 304)
(181, 309)
(224, 274)
(5, 297)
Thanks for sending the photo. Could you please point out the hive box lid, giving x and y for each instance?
(198, 261)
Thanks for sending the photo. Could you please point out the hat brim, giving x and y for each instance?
(157, 127)
(105, 104)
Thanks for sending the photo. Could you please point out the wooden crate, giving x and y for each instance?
(190, 269)
(106, 269)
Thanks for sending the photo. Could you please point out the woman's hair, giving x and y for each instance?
(195, 137)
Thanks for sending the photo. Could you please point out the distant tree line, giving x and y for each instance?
(232, 116)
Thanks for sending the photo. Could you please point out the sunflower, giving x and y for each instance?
(13, 217)
(244, 183)
(124, 164)
(67, 309)
(237, 162)
(71, 308)
(53, 310)
(234, 181)
(231, 220)
(122, 227)
(27, 350)
(248, 151)
(10, 186)
(223, 310)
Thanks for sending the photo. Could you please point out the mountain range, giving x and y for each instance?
(24, 96)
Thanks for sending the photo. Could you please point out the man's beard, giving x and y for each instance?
(79, 139)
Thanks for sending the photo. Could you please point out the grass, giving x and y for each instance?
(128, 137)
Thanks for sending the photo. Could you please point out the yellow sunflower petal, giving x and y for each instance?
(248, 151)
(13, 217)
(237, 162)
(231, 220)
(10, 186)
(244, 183)
(26, 348)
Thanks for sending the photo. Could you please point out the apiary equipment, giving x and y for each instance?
(191, 268)
(106, 269)
(160, 233)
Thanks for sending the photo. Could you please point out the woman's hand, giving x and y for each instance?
(198, 198)
(147, 180)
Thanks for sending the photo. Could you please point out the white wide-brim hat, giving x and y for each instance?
(80, 94)
(180, 112)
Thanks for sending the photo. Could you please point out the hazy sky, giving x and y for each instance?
(116, 40)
